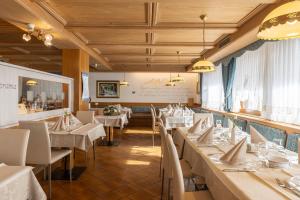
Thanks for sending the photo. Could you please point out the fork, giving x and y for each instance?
(283, 185)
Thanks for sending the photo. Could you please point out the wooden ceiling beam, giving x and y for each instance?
(158, 27)
(177, 45)
(154, 55)
(152, 63)
(55, 21)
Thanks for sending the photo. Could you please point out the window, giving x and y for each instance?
(281, 99)
(212, 89)
(247, 91)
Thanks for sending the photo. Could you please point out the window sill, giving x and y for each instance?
(289, 128)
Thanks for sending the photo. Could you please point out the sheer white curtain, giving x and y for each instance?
(248, 80)
(281, 99)
(212, 89)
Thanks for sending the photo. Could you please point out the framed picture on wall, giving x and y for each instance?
(108, 89)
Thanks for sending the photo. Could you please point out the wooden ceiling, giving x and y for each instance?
(137, 35)
(33, 54)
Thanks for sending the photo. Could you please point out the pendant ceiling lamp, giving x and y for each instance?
(282, 23)
(203, 65)
(124, 82)
(170, 83)
(178, 78)
(31, 82)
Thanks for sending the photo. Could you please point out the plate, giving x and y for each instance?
(278, 162)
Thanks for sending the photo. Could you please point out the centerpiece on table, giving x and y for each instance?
(111, 111)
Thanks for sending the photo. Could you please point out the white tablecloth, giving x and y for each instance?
(81, 138)
(113, 121)
(233, 185)
(177, 121)
(19, 183)
(127, 111)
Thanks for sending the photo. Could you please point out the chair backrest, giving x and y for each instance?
(165, 152)
(178, 184)
(39, 147)
(13, 146)
(198, 116)
(86, 116)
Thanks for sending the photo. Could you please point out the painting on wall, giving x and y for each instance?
(108, 89)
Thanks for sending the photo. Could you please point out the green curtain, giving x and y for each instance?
(228, 72)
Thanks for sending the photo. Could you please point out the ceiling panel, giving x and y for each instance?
(115, 36)
(100, 11)
(220, 11)
(189, 35)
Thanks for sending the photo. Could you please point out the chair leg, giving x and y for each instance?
(153, 138)
(94, 151)
(45, 173)
(49, 178)
(169, 189)
(162, 184)
(70, 168)
(160, 164)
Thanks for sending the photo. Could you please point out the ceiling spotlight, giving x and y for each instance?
(47, 43)
(48, 37)
(30, 27)
(26, 37)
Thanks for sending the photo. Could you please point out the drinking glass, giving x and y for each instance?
(278, 145)
(219, 123)
(263, 151)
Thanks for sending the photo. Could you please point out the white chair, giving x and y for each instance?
(166, 164)
(198, 116)
(178, 183)
(86, 116)
(154, 125)
(13, 146)
(39, 150)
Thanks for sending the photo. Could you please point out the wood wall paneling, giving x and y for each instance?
(74, 62)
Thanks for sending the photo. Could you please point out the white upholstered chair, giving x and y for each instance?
(186, 170)
(178, 183)
(198, 116)
(86, 116)
(154, 125)
(13, 146)
(39, 150)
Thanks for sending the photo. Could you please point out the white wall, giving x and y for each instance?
(9, 89)
(147, 87)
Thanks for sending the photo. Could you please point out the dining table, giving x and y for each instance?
(111, 122)
(77, 136)
(251, 179)
(176, 120)
(19, 182)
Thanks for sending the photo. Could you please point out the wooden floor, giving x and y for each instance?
(129, 171)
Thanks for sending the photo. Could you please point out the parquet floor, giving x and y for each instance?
(129, 171)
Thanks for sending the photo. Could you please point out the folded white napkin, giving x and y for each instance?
(236, 154)
(256, 137)
(207, 136)
(177, 113)
(169, 107)
(74, 120)
(59, 125)
(196, 128)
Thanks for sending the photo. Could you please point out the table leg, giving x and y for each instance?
(94, 150)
